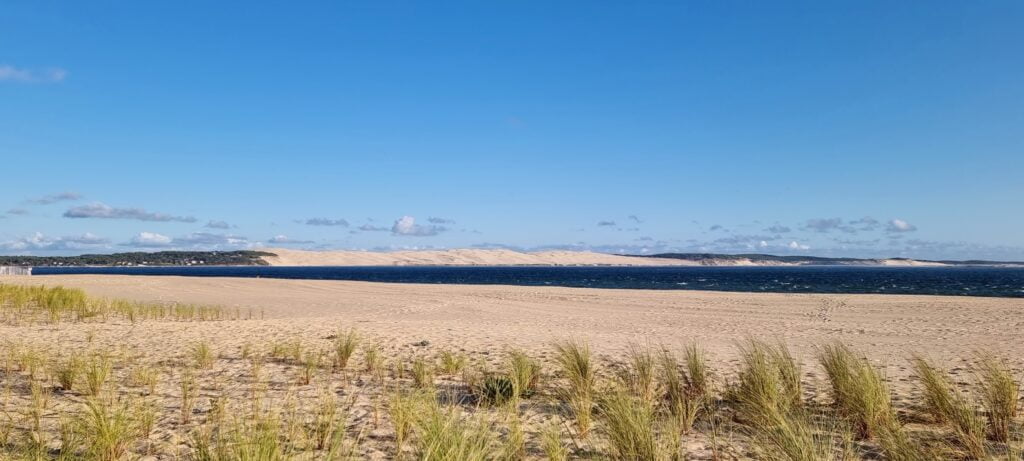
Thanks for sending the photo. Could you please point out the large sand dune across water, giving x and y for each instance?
(501, 257)
(459, 257)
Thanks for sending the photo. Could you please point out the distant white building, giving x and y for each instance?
(15, 270)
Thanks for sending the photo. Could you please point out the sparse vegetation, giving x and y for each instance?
(120, 403)
(25, 305)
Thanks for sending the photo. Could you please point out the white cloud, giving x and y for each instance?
(20, 75)
(796, 246)
(406, 226)
(899, 225)
(150, 240)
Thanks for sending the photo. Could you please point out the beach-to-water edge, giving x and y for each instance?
(957, 281)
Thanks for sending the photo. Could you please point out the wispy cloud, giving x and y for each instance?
(210, 240)
(433, 220)
(195, 240)
(217, 225)
(372, 228)
(778, 229)
(825, 225)
(285, 240)
(635, 219)
(17, 212)
(605, 223)
(103, 211)
(54, 198)
(13, 74)
(406, 226)
(866, 223)
(325, 222)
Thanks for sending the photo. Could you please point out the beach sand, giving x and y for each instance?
(485, 321)
(490, 318)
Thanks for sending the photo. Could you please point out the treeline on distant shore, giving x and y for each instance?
(159, 258)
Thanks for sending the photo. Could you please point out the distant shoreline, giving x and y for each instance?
(465, 257)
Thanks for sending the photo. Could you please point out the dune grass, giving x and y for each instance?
(524, 372)
(107, 429)
(422, 373)
(935, 387)
(96, 370)
(639, 375)
(551, 443)
(685, 389)
(859, 391)
(202, 355)
(345, 345)
(765, 387)
(443, 433)
(451, 363)
(68, 371)
(629, 424)
(577, 366)
(23, 305)
(1000, 394)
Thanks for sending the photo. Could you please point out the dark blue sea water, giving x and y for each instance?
(960, 281)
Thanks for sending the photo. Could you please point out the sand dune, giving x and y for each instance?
(459, 257)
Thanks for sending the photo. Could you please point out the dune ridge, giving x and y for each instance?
(503, 257)
(459, 257)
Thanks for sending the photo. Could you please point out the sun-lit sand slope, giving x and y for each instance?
(459, 257)
(481, 318)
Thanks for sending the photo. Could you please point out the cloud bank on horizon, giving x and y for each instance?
(862, 130)
(856, 237)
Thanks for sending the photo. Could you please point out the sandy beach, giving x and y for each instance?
(410, 322)
(491, 318)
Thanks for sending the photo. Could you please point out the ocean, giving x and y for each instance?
(956, 281)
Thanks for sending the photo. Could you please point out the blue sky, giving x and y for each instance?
(830, 128)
